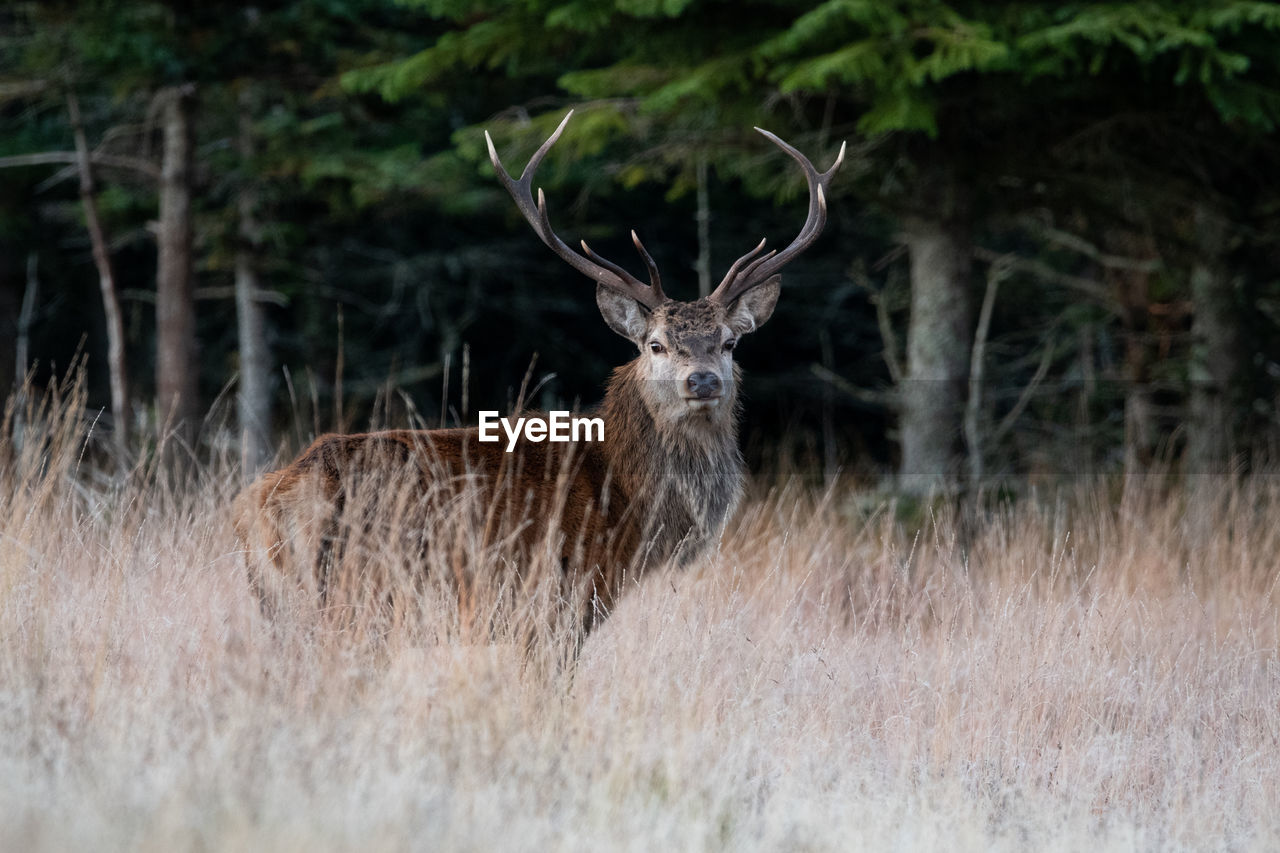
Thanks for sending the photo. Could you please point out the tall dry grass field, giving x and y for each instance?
(1073, 673)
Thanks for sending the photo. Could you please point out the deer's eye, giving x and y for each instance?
(656, 348)
(730, 344)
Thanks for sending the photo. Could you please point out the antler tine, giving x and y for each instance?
(655, 280)
(604, 262)
(748, 273)
(737, 265)
(535, 213)
(742, 278)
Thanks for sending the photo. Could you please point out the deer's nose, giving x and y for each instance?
(704, 385)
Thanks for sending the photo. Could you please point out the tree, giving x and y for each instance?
(963, 108)
(1076, 146)
(253, 400)
(990, 92)
(61, 81)
(931, 397)
(117, 364)
(177, 397)
(1215, 367)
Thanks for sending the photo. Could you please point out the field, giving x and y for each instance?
(1083, 669)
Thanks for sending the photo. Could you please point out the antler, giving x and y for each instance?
(592, 266)
(747, 273)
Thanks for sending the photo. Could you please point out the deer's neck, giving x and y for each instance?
(683, 476)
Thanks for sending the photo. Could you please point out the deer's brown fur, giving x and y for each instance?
(643, 496)
(295, 520)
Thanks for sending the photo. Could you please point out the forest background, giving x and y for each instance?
(1053, 248)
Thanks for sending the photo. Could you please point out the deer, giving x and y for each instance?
(659, 488)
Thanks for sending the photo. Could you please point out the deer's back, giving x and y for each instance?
(418, 484)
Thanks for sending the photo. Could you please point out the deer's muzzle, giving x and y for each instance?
(704, 386)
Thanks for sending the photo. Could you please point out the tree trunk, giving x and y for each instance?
(938, 341)
(703, 217)
(254, 399)
(117, 365)
(22, 351)
(1215, 353)
(176, 365)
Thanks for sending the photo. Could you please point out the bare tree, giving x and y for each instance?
(703, 217)
(116, 361)
(254, 399)
(938, 337)
(176, 367)
(1215, 351)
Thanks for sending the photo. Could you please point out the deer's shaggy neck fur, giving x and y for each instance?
(687, 474)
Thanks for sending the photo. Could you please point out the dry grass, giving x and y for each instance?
(1072, 673)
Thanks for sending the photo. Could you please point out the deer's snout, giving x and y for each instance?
(704, 385)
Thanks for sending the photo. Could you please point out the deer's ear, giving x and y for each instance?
(750, 310)
(623, 314)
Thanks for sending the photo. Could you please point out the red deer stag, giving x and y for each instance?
(659, 487)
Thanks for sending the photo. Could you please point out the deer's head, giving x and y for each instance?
(686, 348)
